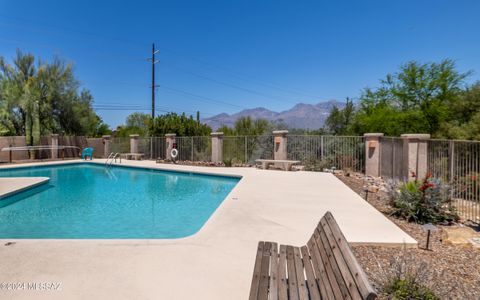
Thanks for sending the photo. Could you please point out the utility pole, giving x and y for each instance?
(153, 61)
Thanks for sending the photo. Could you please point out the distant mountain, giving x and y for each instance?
(303, 116)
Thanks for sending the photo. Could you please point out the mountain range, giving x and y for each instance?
(302, 115)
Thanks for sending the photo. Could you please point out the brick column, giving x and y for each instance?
(54, 144)
(170, 140)
(106, 145)
(134, 143)
(217, 147)
(372, 154)
(280, 144)
(415, 155)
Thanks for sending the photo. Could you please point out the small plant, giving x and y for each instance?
(408, 289)
(426, 201)
(407, 278)
(227, 162)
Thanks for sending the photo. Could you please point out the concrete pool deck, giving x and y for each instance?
(12, 185)
(215, 263)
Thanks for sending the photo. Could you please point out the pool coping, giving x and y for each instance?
(19, 184)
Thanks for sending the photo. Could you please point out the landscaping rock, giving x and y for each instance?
(373, 189)
(465, 236)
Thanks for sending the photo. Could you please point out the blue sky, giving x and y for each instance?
(222, 56)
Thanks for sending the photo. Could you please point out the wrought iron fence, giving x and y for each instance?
(458, 164)
(319, 152)
(196, 148)
(246, 149)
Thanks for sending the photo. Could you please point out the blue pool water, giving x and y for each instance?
(91, 201)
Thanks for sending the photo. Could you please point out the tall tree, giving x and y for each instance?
(178, 124)
(41, 98)
(339, 121)
(415, 99)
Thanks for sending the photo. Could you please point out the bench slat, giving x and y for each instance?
(359, 275)
(341, 263)
(322, 278)
(292, 276)
(334, 265)
(311, 281)
(265, 267)
(302, 288)
(256, 272)
(273, 290)
(332, 281)
(282, 274)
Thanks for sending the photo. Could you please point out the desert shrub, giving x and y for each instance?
(408, 278)
(227, 162)
(425, 201)
(408, 289)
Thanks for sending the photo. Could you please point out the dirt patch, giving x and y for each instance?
(451, 271)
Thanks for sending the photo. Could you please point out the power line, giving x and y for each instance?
(238, 75)
(233, 85)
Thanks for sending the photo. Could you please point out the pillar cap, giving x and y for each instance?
(170, 134)
(54, 134)
(374, 134)
(216, 133)
(280, 132)
(106, 136)
(418, 136)
(134, 135)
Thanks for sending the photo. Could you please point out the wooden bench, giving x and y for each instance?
(323, 269)
(287, 164)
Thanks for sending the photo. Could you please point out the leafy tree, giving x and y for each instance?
(178, 124)
(247, 126)
(41, 98)
(136, 123)
(465, 121)
(339, 121)
(417, 99)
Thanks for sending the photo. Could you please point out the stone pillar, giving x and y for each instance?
(134, 143)
(372, 154)
(415, 155)
(280, 144)
(54, 145)
(217, 147)
(106, 145)
(170, 140)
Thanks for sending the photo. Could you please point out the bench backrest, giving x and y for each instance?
(341, 275)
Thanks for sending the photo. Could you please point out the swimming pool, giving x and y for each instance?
(87, 200)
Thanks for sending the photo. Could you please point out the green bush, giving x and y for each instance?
(426, 201)
(227, 162)
(408, 288)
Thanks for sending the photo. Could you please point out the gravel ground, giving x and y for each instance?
(450, 271)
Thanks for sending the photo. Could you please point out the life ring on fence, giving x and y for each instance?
(174, 153)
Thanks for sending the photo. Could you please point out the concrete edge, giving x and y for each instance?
(36, 182)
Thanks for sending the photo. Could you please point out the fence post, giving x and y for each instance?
(191, 144)
(372, 154)
(217, 147)
(280, 144)
(54, 150)
(106, 145)
(170, 140)
(415, 155)
(134, 143)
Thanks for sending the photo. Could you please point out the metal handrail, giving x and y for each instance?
(112, 157)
